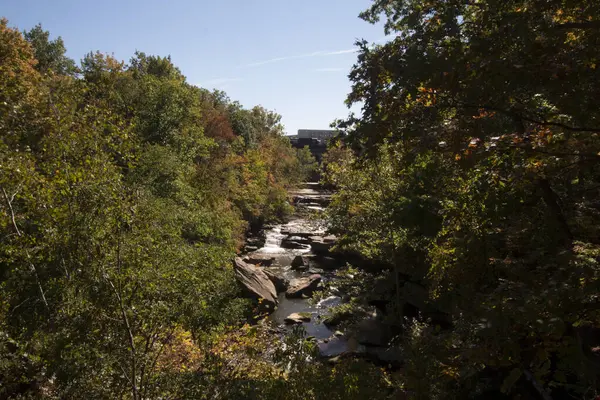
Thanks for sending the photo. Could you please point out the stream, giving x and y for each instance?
(298, 231)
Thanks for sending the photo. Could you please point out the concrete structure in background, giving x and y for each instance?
(315, 139)
(321, 134)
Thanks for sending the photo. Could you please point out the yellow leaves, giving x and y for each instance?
(450, 371)
(571, 37)
(354, 209)
(428, 96)
(180, 353)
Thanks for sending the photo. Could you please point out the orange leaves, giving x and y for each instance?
(474, 143)
(428, 96)
(484, 114)
(218, 127)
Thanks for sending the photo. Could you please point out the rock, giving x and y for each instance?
(303, 286)
(334, 360)
(417, 301)
(300, 262)
(290, 244)
(373, 332)
(255, 283)
(329, 302)
(415, 294)
(301, 234)
(299, 239)
(338, 333)
(264, 260)
(390, 357)
(280, 283)
(328, 263)
(255, 241)
(250, 248)
(319, 246)
(330, 239)
(322, 200)
(337, 318)
(297, 318)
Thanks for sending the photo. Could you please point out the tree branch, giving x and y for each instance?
(516, 114)
(579, 25)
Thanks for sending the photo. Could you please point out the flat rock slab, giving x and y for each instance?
(297, 318)
(290, 244)
(299, 239)
(330, 239)
(255, 284)
(302, 234)
(303, 286)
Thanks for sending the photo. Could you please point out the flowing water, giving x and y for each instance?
(312, 198)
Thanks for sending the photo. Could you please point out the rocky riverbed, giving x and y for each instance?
(288, 263)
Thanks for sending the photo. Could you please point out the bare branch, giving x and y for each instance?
(12, 212)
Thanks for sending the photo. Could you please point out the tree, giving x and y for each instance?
(123, 195)
(308, 163)
(50, 54)
(476, 168)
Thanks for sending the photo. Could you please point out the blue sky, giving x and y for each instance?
(289, 56)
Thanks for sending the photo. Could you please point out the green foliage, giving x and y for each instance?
(308, 163)
(119, 217)
(50, 54)
(473, 170)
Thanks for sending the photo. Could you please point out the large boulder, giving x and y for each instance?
(319, 245)
(264, 260)
(417, 301)
(280, 283)
(300, 262)
(328, 263)
(303, 286)
(373, 332)
(255, 284)
(415, 294)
